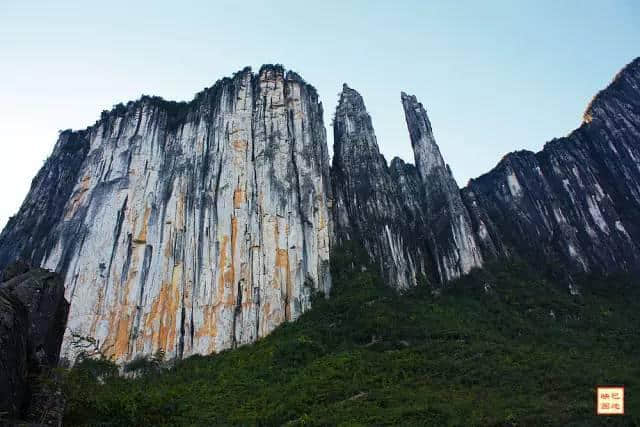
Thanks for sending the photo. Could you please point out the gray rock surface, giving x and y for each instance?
(411, 220)
(374, 204)
(576, 203)
(186, 227)
(449, 234)
(196, 227)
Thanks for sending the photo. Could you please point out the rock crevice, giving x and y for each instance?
(196, 227)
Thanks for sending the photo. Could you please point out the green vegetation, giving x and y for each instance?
(522, 352)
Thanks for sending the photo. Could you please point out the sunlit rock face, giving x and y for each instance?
(374, 204)
(188, 228)
(576, 203)
(196, 227)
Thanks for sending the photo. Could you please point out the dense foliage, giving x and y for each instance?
(504, 346)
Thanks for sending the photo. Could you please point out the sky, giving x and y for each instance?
(494, 76)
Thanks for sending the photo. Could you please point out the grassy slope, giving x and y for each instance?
(370, 356)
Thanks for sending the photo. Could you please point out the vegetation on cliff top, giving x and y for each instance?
(503, 346)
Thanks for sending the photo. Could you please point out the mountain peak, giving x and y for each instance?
(621, 93)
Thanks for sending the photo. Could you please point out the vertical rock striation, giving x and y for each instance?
(450, 237)
(411, 220)
(196, 227)
(372, 204)
(576, 203)
(28, 235)
(187, 227)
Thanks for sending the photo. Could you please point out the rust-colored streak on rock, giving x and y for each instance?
(282, 258)
(142, 237)
(239, 197)
(230, 274)
(117, 343)
(168, 248)
(222, 264)
(282, 263)
(209, 328)
(240, 144)
(223, 169)
(78, 198)
(122, 336)
(161, 320)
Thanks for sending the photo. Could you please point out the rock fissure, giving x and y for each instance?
(195, 227)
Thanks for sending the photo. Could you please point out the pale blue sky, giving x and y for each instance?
(495, 76)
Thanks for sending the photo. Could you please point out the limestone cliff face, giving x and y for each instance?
(189, 228)
(196, 227)
(372, 202)
(576, 203)
(411, 220)
(450, 237)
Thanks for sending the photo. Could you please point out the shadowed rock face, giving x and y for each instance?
(196, 227)
(33, 313)
(189, 228)
(449, 232)
(370, 204)
(577, 202)
(13, 355)
(411, 220)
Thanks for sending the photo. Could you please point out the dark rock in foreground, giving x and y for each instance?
(33, 314)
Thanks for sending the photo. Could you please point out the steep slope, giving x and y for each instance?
(28, 235)
(577, 202)
(575, 205)
(373, 203)
(187, 228)
(196, 227)
(451, 240)
(411, 220)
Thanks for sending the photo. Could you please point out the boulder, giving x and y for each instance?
(33, 314)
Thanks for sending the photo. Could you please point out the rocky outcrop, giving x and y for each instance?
(449, 234)
(411, 220)
(33, 313)
(373, 203)
(13, 355)
(27, 235)
(576, 203)
(196, 227)
(186, 227)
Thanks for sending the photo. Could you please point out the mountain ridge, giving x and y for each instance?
(199, 226)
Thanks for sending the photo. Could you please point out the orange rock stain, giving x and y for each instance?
(161, 319)
(78, 198)
(142, 237)
(239, 197)
(240, 144)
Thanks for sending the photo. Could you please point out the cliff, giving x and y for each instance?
(187, 227)
(374, 204)
(576, 203)
(196, 227)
